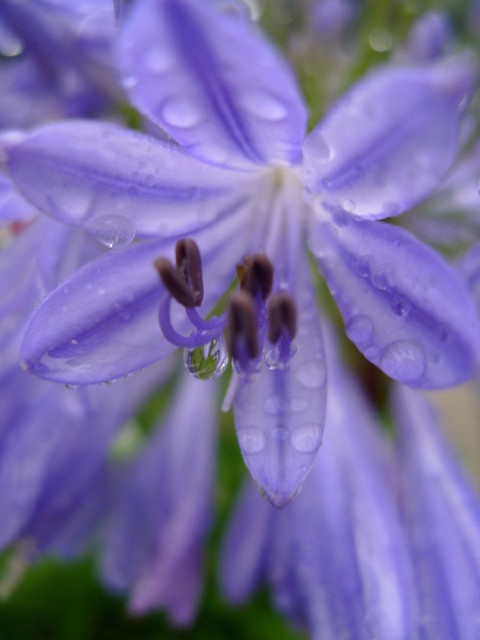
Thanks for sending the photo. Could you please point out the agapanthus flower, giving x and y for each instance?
(241, 189)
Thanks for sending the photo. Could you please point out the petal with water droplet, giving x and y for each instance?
(279, 415)
(102, 322)
(375, 155)
(405, 309)
(79, 172)
(209, 96)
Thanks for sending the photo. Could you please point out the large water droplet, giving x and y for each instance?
(404, 360)
(251, 440)
(307, 438)
(359, 329)
(182, 113)
(207, 361)
(113, 231)
(264, 105)
(312, 374)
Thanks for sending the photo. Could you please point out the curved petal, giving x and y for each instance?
(442, 517)
(405, 309)
(211, 80)
(388, 142)
(106, 177)
(279, 414)
(102, 322)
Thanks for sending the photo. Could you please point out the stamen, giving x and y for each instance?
(255, 275)
(189, 266)
(242, 328)
(174, 283)
(282, 315)
(195, 339)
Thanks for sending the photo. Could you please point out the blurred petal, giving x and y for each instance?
(442, 514)
(246, 546)
(94, 173)
(227, 97)
(279, 414)
(102, 322)
(157, 531)
(375, 155)
(13, 208)
(405, 309)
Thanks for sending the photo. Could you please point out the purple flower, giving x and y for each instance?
(251, 190)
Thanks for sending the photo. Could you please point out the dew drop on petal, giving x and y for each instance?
(312, 374)
(129, 82)
(159, 60)
(306, 438)
(251, 440)
(317, 149)
(182, 113)
(359, 329)
(349, 205)
(264, 105)
(273, 404)
(404, 360)
(208, 361)
(112, 231)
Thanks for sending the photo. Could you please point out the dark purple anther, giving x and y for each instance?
(282, 315)
(255, 275)
(189, 266)
(184, 282)
(242, 327)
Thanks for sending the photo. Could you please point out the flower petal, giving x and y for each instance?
(102, 322)
(442, 514)
(208, 95)
(279, 414)
(158, 528)
(405, 309)
(246, 546)
(344, 566)
(100, 175)
(375, 155)
(13, 208)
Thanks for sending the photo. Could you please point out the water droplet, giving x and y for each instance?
(401, 306)
(312, 374)
(159, 60)
(251, 440)
(307, 438)
(112, 231)
(264, 105)
(207, 361)
(349, 205)
(404, 360)
(180, 112)
(380, 40)
(273, 404)
(382, 277)
(299, 403)
(359, 329)
(129, 82)
(363, 265)
(274, 360)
